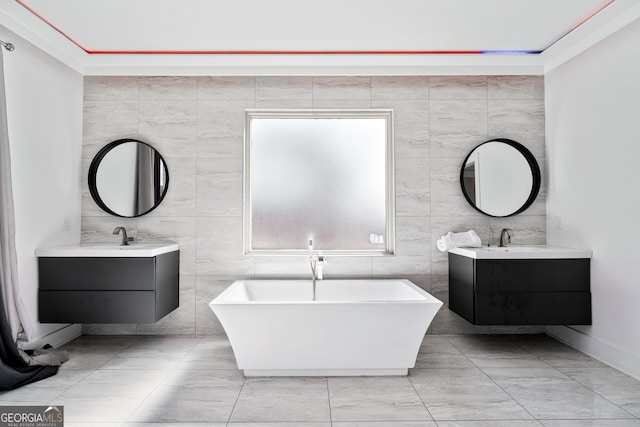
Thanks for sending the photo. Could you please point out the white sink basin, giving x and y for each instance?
(522, 252)
(106, 250)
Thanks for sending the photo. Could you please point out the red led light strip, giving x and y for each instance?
(284, 52)
(579, 23)
(595, 12)
(297, 52)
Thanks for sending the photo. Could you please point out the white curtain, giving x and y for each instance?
(14, 306)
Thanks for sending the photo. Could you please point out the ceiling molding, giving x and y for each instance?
(610, 20)
(29, 28)
(180, 65)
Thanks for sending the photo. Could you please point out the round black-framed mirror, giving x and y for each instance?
(128, 178)
(500, 178)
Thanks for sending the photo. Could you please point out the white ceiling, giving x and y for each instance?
(291, 36)
(303, 25)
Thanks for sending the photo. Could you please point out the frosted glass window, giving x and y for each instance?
(321, 175)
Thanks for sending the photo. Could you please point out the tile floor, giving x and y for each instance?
(459, 381)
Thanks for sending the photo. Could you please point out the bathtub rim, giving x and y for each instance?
(425, 297)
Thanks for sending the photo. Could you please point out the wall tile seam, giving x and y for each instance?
(210, 216)
(408, 100)
(195, 250)
(516, 99)
(488, 117)
(484, 98)
(460, 157)
(282, 100)
(436, 100)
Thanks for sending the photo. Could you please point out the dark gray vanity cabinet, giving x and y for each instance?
(520, 291)
(108, 289)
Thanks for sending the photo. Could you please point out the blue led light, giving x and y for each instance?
(511, 52)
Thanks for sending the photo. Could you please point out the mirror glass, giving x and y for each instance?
(128, 178)
(500, 178)
(325, 175)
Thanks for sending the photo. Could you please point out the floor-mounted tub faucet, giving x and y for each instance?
(316, 260)
(505, 232)
(125, 239)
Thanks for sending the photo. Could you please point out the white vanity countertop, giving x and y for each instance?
(522, 252)
(107, 250)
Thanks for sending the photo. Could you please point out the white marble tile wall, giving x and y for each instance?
(197, 125)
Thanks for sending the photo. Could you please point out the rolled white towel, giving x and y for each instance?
(443, 244)
(452, 240)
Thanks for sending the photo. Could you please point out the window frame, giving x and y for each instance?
(387, 114)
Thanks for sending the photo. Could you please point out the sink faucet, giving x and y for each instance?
(125, 239)
(316, 261)
(505, 232)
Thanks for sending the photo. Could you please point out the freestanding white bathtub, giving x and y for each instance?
(354, 327)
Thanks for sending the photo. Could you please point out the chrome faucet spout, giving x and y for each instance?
(508, 233)
(125, 239)
(313, 264)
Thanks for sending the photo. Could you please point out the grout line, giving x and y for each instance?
(329, 401)
(548, 366)
(596, 392)
(195, 208)
(494, 382)
(420, 397)
(244, 381)
(135, 221)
